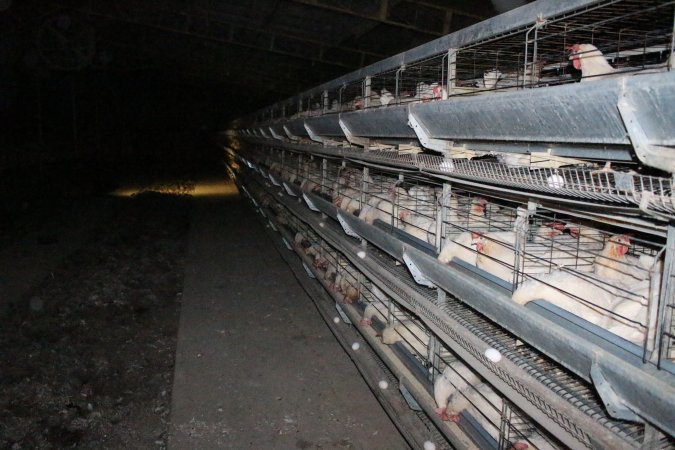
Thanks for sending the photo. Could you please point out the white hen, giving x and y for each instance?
(455, 376)
(491, 78)
(346, 285)
(473, 218)
(615, 265)
(408, 333)
(589, 296)
(481, 402)
(629, 317)
(485, 406)
(381, 206)
(386, 97)
(591, 62)
(368, 313)
(462, 247)
(548, 249)
(348, 199)
(428, 92)
(422, 227)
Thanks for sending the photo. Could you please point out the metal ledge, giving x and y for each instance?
(390, 122)
(295, 128)
(327, 126)
(560, 117)
(584, 190)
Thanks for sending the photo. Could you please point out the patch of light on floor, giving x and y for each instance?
(125, 191)
(215, 188)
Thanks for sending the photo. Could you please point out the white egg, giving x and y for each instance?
(356, 346)
(428, 445)
(555, 181)
(383, 384)
(493, 355)
(321, 224)
(336, 319)
(447, 166)
(361, 254)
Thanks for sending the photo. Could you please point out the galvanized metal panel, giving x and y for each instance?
(511, 20)
(297, 127)
(323, 205)
(653, 97)
(325, 125)
(278, 128)
(583, 114)
(390, 122)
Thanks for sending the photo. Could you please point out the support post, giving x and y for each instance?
(366, 92)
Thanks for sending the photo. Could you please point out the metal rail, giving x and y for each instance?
(635, 196)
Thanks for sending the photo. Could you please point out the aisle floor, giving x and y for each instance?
(256, 366)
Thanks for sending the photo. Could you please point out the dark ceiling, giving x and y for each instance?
(269, 48)
(105, 79)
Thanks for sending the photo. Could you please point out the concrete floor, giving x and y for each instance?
(256, 367)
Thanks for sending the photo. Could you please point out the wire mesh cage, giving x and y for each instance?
(351, 96)
(291, 109)
(313, 106)
(667, 333)
(291, 166)
(380, 201)
(383, 89)
(310, 176)
(491, 421)
(511, 429)
(611, 280)
(607, 38)
(346, 185)
(347, 280)
(631, 35)
(397, 326)
(332, 100)
(418, 208)
(423, 81)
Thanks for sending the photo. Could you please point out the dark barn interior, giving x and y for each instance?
(147, 303)
(98, 83)
(102, 96)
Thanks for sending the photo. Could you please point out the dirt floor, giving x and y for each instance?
(88, 354)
